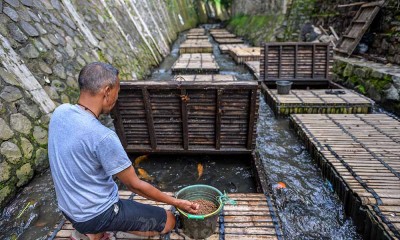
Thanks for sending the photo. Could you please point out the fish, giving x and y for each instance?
(199, 171)
(144, 175)
(280, 185)
(140, 159)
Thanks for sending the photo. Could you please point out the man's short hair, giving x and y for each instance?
(96, 75)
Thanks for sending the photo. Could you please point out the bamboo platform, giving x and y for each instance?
(207, 78)
(195, 63)
(228, 40)
(241, 55)
(360, 156)
(224, 48)
(254, 68)
(317, 101)
(252, 218)
(196, 46)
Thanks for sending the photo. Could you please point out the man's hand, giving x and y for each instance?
(188, 206)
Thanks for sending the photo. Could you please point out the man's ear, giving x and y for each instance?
(107, 90)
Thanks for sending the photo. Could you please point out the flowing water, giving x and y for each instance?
(308, 207)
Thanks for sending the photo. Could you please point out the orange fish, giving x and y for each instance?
(140, 159)
(144, 175)
(280, 185)
(199, 171)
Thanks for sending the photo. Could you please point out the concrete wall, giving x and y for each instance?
(43, 46)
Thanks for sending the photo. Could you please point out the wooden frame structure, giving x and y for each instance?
(187, 116)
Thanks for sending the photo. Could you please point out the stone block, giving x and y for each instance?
(59, 71)
(5, 131)
(29, 29)
(27, 148)
(4, 171)
(39, 45)
(72, 82)
(41, 159)
(45, 67)
(348, 70)
(40, 28)
(40, 135)
(376, 74)
(29, 51)
(34, 16)
(11, 94)
(16, 33)
(65, 98)
(31, 109)
(51, 92)
(58, 85)
(11, 13)
(28, 3)
(24, 174)
(362, 72)
(14, 3)
(20, 123)
(5, 193)
(11, 152)
(9, 77)
(392, 94)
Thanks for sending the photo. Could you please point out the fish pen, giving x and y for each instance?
(360, 155)
(224, 48)
(228, 40)
(241, 55)
(195, 63)
(254, 68)
(317, 101)
(196, 46)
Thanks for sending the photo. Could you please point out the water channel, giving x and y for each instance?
(308, 207)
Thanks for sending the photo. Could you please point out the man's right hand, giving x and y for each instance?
(188, 206)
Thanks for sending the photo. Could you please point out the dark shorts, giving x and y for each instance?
(129, 216)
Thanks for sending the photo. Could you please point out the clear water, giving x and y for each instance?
(308, 207)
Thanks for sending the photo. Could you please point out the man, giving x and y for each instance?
(84, 155)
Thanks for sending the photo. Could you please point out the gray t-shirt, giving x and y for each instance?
(84, 155)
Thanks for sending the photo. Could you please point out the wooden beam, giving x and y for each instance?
(119, 127)
(350, 4)
(149, 117)
(252, 118)
(184, 111)
(218, 121)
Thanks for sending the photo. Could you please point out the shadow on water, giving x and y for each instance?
(308, 207)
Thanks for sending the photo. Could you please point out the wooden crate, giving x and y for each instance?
(187, 116)
(228, 40)
(241, 55)
(302, 63)
(317, 101)
(360, 156)
(224, 48)
(254, 68)
(195, 63)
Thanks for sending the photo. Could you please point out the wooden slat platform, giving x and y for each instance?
(223, 35)
(208, 78)
(218, 30)
(317, 101)
(224, 48)
(360, 155)
(196, 63)
(196, 46)
(254, 68)
(241, 55)
(251, 218)
(196, 37)
(228, 40)
(196, 31)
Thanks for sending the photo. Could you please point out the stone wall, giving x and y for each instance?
(43, 46)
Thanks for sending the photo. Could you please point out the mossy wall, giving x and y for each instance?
(43, 46)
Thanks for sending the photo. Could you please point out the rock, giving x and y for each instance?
(40, 135)
(54, 20)
(376, 74)
(34, 16)
(59, 57)
(41, 159)
(361, 72)
(64, 98)
(47, 43)
(70, 51)
(53, 39)
(4, 194)
(45, 119)
(9, 78)
(4, 171)
(40, 28)
(29, 29)
(13, 3)
(56, 4)
(45, 68)
(39, 45)
(11, 152)
(374, 94)
(11, 94)
(24, 174)
(59, 71)
(392, 94)
(28, 3)
(58, 85)
(11, 13)
(24, 15)
(29, 51)
(27, 148)
(20, 123)
(68, 20)
(72, 82)
(32, 110)
(81, 61)
(396, 81)
(52, 92)
(348, 70)
(5, 131)
(16, 33)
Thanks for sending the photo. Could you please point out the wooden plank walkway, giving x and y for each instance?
(241, 55)
(196, 37)
(196, 46)
(360, 155)
(207, 78)
(228, 40)
(317, 101)
(195, 63)
(196, 32)
(223, 35)
(254, 68)
(251, 218)
(224, 48)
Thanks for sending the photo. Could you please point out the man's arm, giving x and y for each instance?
(134, 184)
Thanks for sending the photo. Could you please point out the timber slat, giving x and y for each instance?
(360, 155)
(249, 219)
